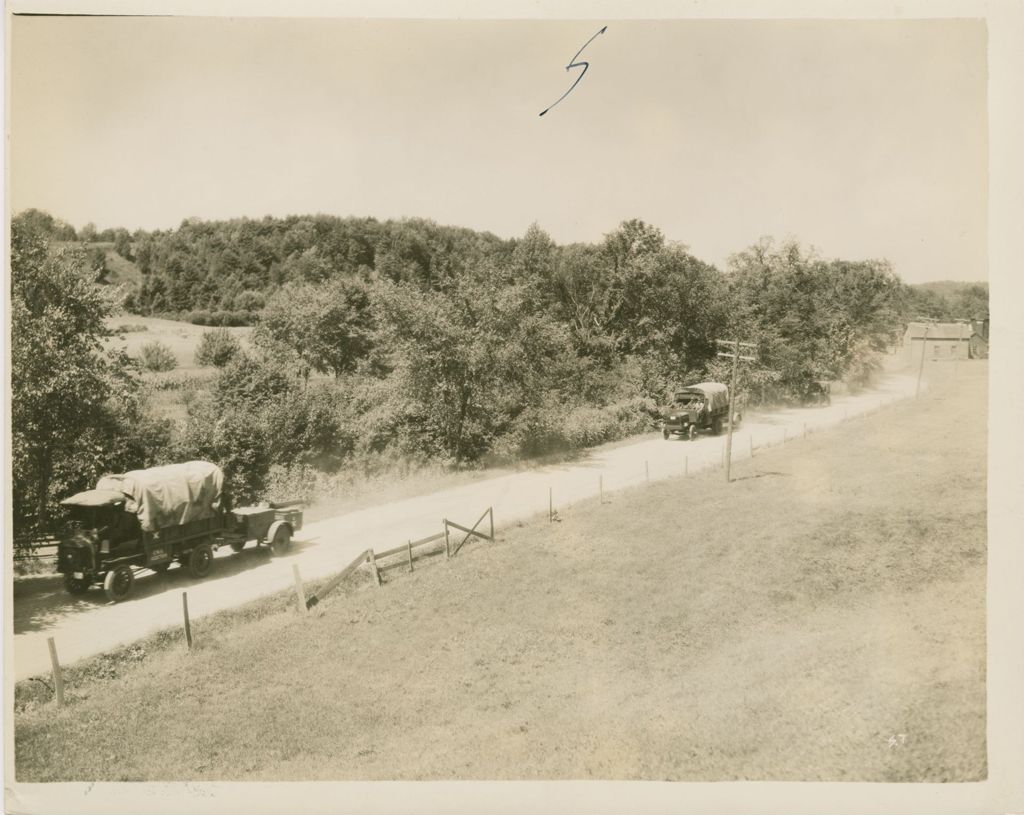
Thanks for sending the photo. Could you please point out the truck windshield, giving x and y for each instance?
(688, 400)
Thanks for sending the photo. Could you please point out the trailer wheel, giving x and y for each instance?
(118, 583)
(76, 585)
(665, 434)
(200, 561)
(282, 541)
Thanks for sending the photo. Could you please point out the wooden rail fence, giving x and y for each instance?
(471, 531)
(404, 555)
(35, 547)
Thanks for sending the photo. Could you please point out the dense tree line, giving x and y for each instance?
(948, 300)
(409, 340)
(206, 267)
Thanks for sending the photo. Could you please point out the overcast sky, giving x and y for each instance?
(863, 139)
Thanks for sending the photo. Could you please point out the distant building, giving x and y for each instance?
(979, 339)
(938, 340)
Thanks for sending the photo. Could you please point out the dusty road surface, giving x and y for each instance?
(84, 626)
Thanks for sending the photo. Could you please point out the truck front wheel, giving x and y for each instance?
(76, 585)
(200, 561)
(118, 583)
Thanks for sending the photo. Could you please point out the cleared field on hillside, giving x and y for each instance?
(822, 618)
(132, 332)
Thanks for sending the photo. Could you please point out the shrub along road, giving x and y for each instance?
(821, 618)
(84, 626)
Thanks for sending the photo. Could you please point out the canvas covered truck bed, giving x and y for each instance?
(716, 394)
(171, 495)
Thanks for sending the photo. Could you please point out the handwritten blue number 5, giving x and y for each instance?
(573, 64)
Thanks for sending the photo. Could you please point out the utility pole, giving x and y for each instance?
(920, 370)
(732, 394)
(959, 348)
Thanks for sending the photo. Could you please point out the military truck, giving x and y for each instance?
(704, 406)
(151, 519)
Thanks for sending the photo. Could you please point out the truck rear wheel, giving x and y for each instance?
(118, 583)
(76, 585)
(200, 561)
(282, 541)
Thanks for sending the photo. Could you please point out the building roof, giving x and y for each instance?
(940, 331)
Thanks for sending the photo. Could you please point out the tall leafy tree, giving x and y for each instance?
(465, 362)
(812, 319)
(61, 379)
(326, 326)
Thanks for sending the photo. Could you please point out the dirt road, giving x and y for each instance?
(84, 626)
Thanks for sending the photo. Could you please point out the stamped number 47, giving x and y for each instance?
(896, 740)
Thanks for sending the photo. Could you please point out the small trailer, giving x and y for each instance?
(151, 519)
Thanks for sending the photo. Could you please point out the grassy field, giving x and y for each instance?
(132, 332)
(822, 618)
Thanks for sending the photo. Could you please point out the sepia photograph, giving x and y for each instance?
(446, 399)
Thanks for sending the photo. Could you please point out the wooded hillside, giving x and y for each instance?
(406, 340)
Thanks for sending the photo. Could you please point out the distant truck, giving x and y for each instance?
(697, 407)
(816, 392)
(150, 519)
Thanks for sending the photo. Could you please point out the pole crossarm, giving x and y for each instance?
(733, 356)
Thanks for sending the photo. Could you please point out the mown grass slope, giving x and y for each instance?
(822, 618)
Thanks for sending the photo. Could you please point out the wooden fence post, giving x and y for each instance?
(58, 676)
(188, 625)
(447, 542)
(300, 593)
(410, 554)
(375, 570)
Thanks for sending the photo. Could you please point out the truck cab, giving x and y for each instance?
(99, 531)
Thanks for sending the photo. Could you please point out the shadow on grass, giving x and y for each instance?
(764, 474)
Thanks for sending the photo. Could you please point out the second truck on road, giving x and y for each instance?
(695, 408)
